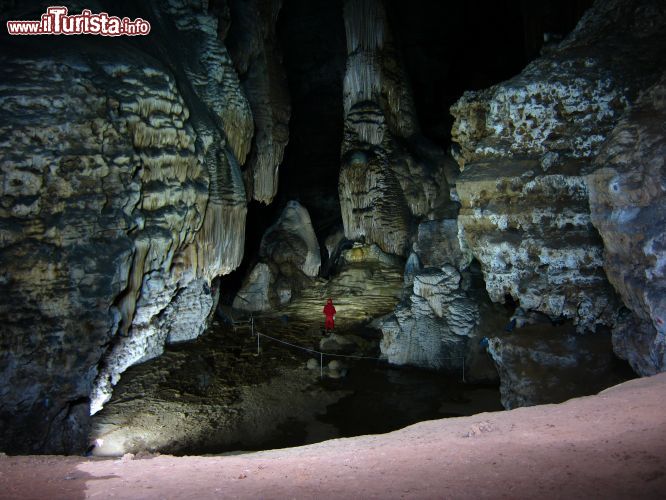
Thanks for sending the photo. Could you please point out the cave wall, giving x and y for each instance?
(525, 147)
(122, 199)
(627, 203)
(127, 166)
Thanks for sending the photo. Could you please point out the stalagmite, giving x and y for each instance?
(381, 186)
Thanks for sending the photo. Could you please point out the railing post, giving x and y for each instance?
(321, 365)
(258, 342)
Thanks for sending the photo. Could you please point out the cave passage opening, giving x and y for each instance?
(269, 399)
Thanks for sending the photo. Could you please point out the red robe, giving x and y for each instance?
(329, 311)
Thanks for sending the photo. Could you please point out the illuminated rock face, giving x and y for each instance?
(431, 329)
(525, 147)
(628, 204)
(290, 258)
(122, 199)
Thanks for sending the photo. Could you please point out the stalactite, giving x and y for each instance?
(364, 25)
(362, 79)
(254, 49)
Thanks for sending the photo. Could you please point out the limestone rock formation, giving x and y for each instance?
(290, 258)
(525, 147)
(628, 204)
(542, 365)
(367, 285)
(426, 330)
(253, 47)
(122, 199)
(291, 242)
(440, 322)
(382, 183)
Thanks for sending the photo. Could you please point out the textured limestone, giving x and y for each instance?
(532, 233)
(426, 330)
(383, 183)
(525, 146)
(291, 242)
(628, 204)
(121, 199)
(254, 296)
(367, 285)
(290, 258)
(440, 321)
(223, 124)
(542, 365)
(437, 243)
(253, 46)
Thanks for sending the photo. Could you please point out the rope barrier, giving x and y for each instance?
(330, 354)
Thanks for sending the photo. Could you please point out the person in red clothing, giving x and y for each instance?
(329, 311)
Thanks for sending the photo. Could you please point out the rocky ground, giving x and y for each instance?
(218, 394)
(608, 446)
(202, 395)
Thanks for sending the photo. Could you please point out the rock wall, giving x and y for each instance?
(628, 204)
(122, 198)
(541, 365)
(525, 147)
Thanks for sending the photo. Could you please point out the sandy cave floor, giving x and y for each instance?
(608, 446)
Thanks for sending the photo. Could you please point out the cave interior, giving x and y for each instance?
(477, 185)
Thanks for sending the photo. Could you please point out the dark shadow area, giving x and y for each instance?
(313, 42)
(452, 47)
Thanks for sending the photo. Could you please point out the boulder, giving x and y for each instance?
(254, 296)
(291, 243)
(289, 260)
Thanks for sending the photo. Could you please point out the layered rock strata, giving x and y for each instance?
(525, 147)
(122, 199)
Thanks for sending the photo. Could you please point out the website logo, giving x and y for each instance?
(57, 21)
